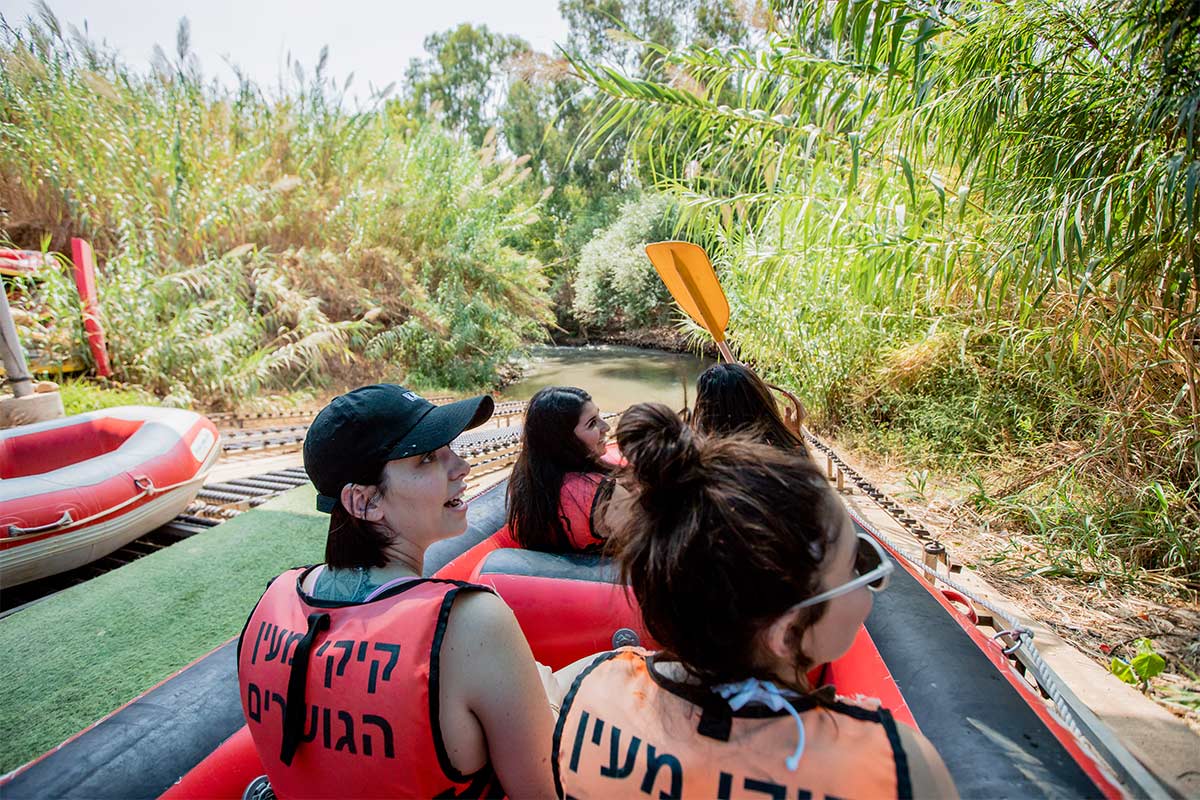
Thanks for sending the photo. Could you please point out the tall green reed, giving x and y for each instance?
(250, 239)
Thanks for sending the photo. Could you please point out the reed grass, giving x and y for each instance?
(250, 239)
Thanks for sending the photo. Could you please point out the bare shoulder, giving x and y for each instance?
(481, 618)
(930, 778)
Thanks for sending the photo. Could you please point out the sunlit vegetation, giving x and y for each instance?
(250, 241)
(964, 233)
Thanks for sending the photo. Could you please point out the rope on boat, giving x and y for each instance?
(146, 489)
(1074, 714)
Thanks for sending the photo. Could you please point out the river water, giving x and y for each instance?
(615, 376)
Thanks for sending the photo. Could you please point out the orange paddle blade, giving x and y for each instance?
(692, 281)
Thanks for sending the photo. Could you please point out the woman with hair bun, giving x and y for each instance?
(731, 398)
(748, 571)
(560, 483)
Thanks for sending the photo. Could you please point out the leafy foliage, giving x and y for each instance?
(1017, 182)
(616, 282)
(1145, 665)
(248, 242)
(462, 80)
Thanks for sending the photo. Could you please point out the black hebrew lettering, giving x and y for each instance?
(346, 742)
(598, 731)
(347, 647)
(393, 651)
(262, 628)
(389, 746)
(655, 762)
(614, 750)
(772, 790)
(328, 663)
(578, 748)
(293, 639)
(278, 636)
(309, 731)
(253, 702)
(769, 788)
(362, 651)
(277, 698)
(259, 702)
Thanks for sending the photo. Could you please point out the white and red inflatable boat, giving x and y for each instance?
(75, 489)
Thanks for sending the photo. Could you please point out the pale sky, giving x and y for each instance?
(374, 40)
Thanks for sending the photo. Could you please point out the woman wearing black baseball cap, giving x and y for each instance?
(361, 678)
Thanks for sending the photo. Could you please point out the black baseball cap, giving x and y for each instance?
(360, 431)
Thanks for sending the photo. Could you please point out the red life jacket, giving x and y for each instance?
(625, 731)
(577, 505)
(342, 699)
(579, 499)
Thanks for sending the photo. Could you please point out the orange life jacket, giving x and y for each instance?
(627, 731)
(342, 699)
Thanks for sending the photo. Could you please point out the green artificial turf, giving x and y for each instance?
(72, 658)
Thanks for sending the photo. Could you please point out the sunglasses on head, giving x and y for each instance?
(872, 565)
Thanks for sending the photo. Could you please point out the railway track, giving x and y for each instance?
(268, 431)
(487, 450)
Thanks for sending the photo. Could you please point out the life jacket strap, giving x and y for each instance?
(294, 712)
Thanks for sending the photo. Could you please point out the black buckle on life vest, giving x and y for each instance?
(294, 713)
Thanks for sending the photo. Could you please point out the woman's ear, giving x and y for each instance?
(778, 636)
(359, 500)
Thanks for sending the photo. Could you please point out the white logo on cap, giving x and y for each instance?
(412, 396)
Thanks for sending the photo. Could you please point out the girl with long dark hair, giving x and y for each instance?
(560, 480)
(732, 398)
(560, 483)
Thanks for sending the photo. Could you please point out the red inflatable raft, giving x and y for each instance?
(917, 653)
(73, 490)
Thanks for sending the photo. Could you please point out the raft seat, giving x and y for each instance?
(569, 605)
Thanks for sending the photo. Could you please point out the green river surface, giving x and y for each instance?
(615, 376)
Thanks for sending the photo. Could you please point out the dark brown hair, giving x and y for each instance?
(730, 397)
(354, 542)
(726, 534)
(549, 450)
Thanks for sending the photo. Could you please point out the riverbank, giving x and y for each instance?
(666, 337)
(1100, 619)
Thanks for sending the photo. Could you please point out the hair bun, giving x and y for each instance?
(662, 450)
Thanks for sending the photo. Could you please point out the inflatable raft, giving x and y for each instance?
(75, 489)
(919, 654)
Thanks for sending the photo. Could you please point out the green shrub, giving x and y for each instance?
(246, 242)
(615, 283)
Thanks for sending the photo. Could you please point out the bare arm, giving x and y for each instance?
(616, 511)
(930, 778)
(560, 682)
(488, 666)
